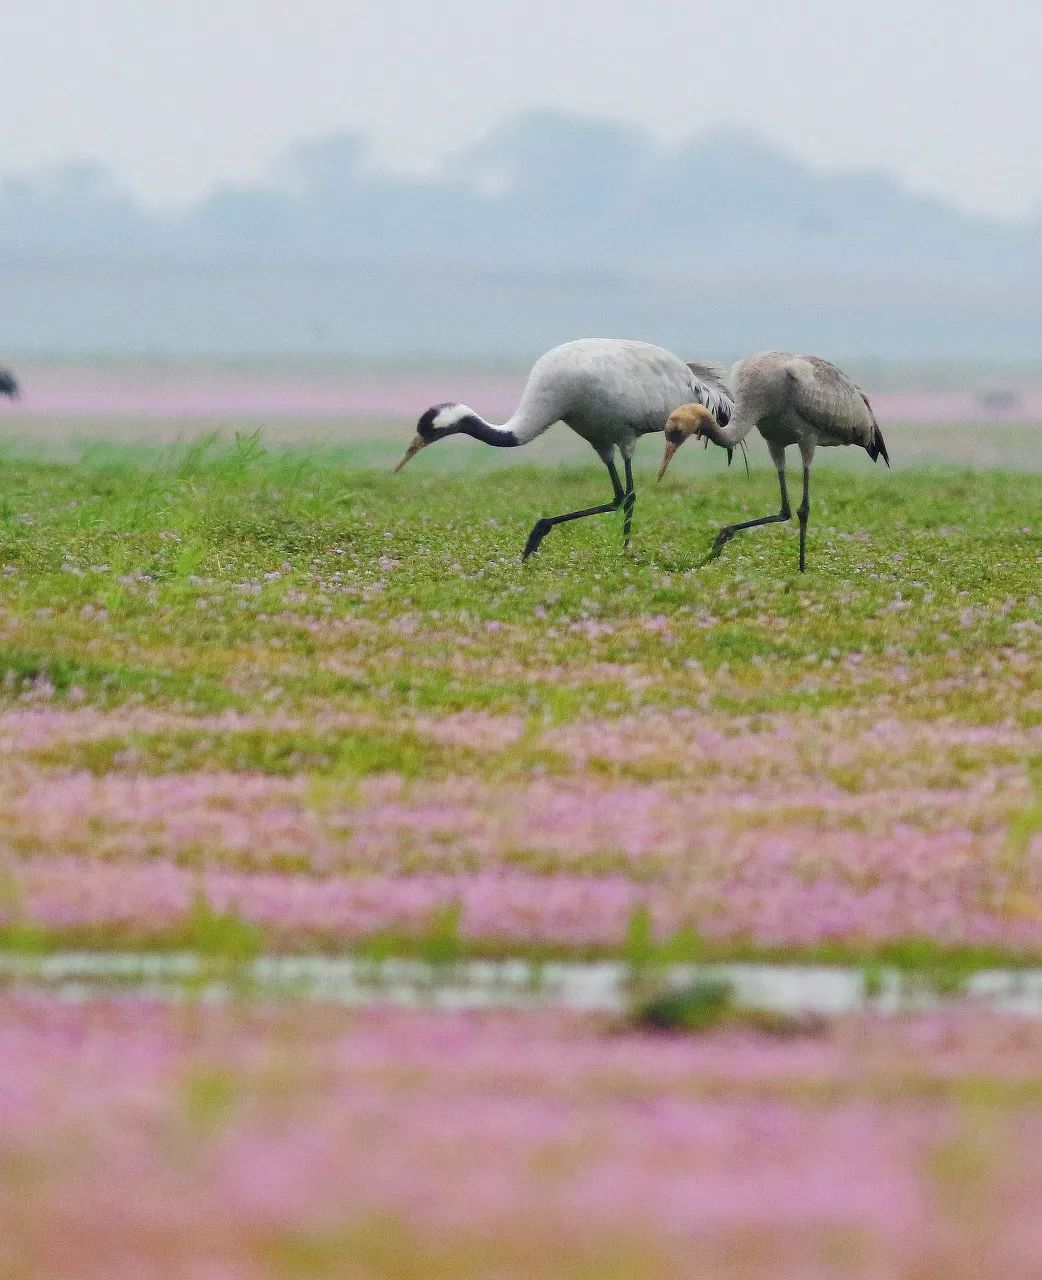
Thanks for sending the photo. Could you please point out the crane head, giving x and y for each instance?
(689, 420)
(435, 423)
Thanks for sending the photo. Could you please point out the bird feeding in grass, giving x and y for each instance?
(8, 384)
(789, 399)
(610, 391)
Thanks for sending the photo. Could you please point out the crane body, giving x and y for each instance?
(609, 391)
(791, 400)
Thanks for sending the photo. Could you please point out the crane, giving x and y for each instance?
(789, 399)
(610, 391)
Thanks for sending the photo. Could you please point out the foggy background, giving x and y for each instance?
(474, 182)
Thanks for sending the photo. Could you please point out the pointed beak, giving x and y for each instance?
(667, 457)
(413, 449)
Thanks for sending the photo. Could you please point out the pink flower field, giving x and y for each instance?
(346, 404)
(259, 701)
(338, 391)
(184, 1141)
(762, 840)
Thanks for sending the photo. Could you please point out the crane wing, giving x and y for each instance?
(835, 406)
(714, 393)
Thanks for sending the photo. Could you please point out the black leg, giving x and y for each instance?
(542, 527)
(726, 534)
(628, 503)
(803, 513)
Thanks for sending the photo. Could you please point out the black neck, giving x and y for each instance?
(474, 426)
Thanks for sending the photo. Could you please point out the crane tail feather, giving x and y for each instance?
(876, 447)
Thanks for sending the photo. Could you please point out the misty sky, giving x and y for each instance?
(175, 95)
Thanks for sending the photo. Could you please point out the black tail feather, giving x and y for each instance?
(876, 447)
(8, 384)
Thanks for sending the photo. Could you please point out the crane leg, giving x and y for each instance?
(803, 512)
(628, 503)
(542, 527)
(727, 533)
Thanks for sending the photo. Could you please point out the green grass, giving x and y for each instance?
(297, 612)
(209, 577)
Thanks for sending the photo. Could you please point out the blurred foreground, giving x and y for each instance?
(254, 1141)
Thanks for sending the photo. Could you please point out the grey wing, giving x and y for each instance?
(832, 403)
(631, 382)
(713, 392)
(625, 381)
(593, 381)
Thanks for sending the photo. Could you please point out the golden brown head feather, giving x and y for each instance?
(689, 420)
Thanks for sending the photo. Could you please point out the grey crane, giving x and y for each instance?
(8, 384)
(610, 391)
(790, 399)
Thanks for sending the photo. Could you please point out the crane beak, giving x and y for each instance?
(667, 457)
(413, 449)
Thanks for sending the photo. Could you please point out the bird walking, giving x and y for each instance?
(609, 391)
(8, 384)
(790, 399)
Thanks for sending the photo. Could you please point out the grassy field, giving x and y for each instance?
(287, 693)
(276, 699)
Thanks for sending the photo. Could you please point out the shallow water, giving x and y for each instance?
(508, 984)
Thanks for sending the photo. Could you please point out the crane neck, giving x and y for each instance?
(488, 432)
(443, 420)
(528, 421)
(534, 414)
(730, 436)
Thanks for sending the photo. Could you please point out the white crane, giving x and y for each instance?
(8, 384)
(800, 400)
(610, 391)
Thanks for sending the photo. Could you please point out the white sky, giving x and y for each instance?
(175, 95)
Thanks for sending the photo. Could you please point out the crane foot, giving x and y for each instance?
(539, 531)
